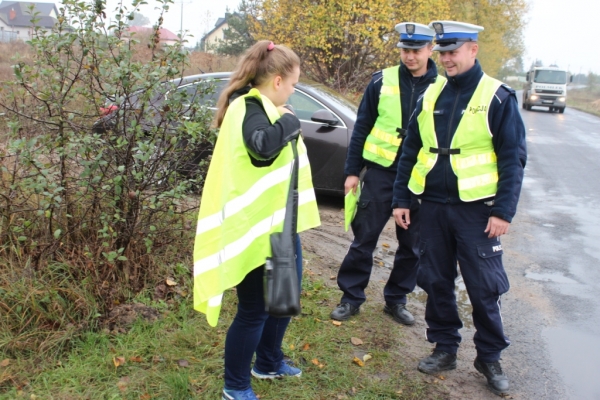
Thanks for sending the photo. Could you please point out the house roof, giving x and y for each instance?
(17, 13)
(220, 22)
(163, 33)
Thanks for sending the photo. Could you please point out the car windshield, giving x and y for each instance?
(550, 76)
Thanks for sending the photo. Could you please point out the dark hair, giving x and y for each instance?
(259, 63)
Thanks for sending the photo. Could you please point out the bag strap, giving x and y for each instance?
(291, 208)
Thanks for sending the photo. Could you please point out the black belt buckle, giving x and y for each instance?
(401, 133)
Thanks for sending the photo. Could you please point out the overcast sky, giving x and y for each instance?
(558, 31)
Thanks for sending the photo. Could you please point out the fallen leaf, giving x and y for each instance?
(315, 361)
(137, 359)
(336, 323)
(292, 347)
(332, 277)
(157, 359)
(305, 347)
(399, 391)
(321, 365)
(385, 245)
(118, 361)
(442, 377)
(367, 357)
(381, 263)
(170, 282)
(5, 362)
(183, 363)
(122, 384)
(358, 362)
(356, 341)
(145, 396)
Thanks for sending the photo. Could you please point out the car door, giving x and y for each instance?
(326, 145)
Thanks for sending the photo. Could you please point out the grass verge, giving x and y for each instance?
(179, 357)
(586, 99)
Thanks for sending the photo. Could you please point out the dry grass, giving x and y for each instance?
(586, 99)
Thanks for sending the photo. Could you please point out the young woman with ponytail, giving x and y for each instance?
(242, 202)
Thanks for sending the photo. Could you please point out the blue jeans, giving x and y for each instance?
(253, 330)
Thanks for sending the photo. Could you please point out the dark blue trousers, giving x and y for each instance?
(253, 330)
(451, 234)
(373, 212)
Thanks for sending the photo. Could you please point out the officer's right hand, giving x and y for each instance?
(402, 217)
(351, 183)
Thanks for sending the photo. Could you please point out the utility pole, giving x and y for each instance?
(182, 2)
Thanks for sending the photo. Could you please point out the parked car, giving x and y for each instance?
(327, 119)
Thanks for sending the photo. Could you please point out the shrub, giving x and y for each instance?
(106, 205)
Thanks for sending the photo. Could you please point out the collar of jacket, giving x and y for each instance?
(429, 76)
(468, 79)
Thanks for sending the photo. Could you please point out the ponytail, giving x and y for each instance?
(259, 63)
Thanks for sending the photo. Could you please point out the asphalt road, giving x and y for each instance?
(554, 259)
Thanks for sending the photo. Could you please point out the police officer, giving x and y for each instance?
(383, 115)
(464, 156)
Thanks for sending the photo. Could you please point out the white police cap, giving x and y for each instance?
(450, 35)
(413, 35)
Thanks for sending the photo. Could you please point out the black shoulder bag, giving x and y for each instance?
(281, 286)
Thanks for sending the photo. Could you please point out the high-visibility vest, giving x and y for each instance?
(382, 143)
(471, 152)
(241, 206)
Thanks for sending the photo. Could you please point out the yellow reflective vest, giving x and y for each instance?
(382, 143)
(472, 154)
(241, 206)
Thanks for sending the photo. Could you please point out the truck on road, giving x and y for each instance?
(546, 87)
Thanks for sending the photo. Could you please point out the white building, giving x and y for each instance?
(15, 19)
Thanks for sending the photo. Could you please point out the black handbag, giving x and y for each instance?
(281, 286)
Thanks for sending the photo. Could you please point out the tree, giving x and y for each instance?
(503, 20)
(138, 19)
(237, 37)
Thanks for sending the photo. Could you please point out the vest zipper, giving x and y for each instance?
(449, 139)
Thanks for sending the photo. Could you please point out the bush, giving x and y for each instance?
(106, 206)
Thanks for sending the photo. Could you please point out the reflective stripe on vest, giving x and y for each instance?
(241, 206)
(476, 165)
(381, 146)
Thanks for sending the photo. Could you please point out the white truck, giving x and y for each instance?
(546, 87)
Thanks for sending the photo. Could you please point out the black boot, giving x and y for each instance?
(343, 311)
(400, 314)
(497, 381)
(437, 362)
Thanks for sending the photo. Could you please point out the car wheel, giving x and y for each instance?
(561, 110)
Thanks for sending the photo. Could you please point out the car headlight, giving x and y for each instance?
(533, 97)
(561, 99)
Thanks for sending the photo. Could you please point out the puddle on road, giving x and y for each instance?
(462, 300)
(575, 355)
(549, 277)
(384, 258)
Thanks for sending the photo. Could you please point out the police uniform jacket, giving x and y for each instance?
(508, 140)
(410, 90)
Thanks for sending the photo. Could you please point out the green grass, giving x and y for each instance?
(587, 99)
(181, 357)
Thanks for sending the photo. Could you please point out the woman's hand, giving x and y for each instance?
(285, 110)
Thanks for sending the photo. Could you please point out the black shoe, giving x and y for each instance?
(343, 311)
(497, 381)
(437, 362)
(400, 314)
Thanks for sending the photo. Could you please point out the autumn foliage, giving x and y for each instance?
(343, 42)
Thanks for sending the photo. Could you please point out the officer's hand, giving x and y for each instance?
(402, 217)
(351, 184)
(496, 227)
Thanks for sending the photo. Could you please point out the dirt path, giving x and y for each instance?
(526, 309)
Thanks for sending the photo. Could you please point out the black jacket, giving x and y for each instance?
(508, 140)
(263, 139)
(410, 90)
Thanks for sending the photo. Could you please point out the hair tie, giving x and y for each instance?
(271, 46)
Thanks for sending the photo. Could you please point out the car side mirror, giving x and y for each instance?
(324, 117)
